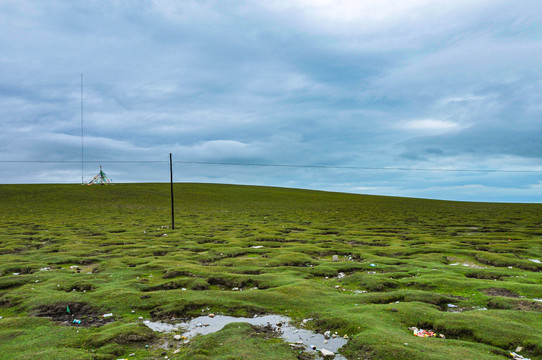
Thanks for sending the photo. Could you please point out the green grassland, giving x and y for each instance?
(110, 249)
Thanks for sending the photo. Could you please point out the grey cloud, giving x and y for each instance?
(275, 83)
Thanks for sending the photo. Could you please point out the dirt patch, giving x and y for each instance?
(521, 305)
(266, 331)
(529, 306)
(73, 314)
(500, 292)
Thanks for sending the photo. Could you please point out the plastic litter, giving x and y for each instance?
(518, 356)
(75, 321)
(68, 310)
(325, 352)
(107, 315)
(372, 265)
(422, 333)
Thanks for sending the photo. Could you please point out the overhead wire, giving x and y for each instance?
(300, 166)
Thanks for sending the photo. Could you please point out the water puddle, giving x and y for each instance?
(305, 339)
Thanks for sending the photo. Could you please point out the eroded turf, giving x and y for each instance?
(363, 266)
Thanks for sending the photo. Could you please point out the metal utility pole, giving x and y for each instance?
(82, 153)
(171, 181)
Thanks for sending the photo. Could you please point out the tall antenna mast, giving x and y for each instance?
(82, 151)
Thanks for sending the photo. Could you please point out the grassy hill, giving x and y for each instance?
(468, 271)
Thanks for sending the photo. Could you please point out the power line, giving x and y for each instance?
(86, 161)
(358, 167)
(300, 166)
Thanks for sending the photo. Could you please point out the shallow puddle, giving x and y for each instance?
(204, 325)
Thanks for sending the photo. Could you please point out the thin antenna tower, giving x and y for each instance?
(82, 150)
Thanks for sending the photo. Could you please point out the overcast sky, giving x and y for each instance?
(357, 86)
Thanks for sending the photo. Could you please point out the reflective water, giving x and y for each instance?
(204, 325)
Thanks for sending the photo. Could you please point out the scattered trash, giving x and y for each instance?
(518, 349)
(15, 273)
(371, 272)
(372, 265)
(140, 318)
(183, 289)
(133, 311)
(68, 309)
(235, 289)
(539, 300)
(422, 332)
(132, 354)
(177, 337)
(536, 261)
(300, 339)
(325, 352)
(45, 269)
(340, 275)
(75, 321)
(1, 317)
(107, 315)
(327, 334)
(360, 291)
(517, 356)
(257, 246)
(452, 306)
(335, 258)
